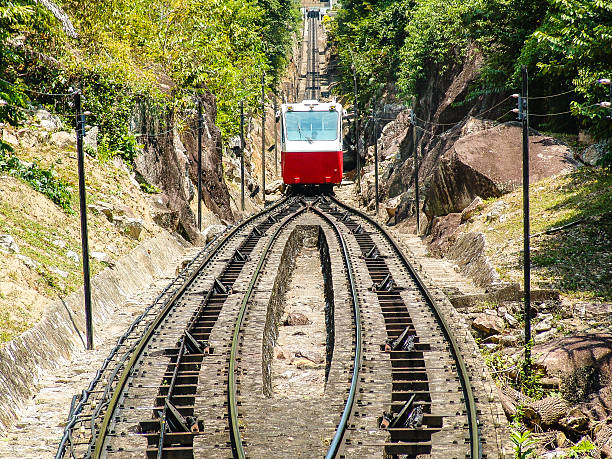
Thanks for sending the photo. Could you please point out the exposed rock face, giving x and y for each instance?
(169, 160)
(214, 190)
(488, 164)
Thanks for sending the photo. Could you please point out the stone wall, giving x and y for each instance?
(61, 331)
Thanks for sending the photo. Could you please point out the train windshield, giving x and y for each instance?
(312, 125)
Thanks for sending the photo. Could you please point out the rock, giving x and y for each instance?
(488, 164)
(210, 232)
(90, 141)
(275, 187)
(58, 271)
(59, 243)
(508, 340)
(279, 353)
(103, 208)
(391, 206)
(63, 139)
(48, 125)
(471, 210)
(575, 421)
(593, 154)
(304, 364)
(132, 227)
(28, 261)
(592, 310)
(493, 312)
(488, 324)
(469, 251)
(166, 218)
(543, 326)
(10, 138)
(101, 257)
(444, 233)
(579, 361)
(73, 256)
(512, 321)
(47, 120)
(8, 244)
(296, 318)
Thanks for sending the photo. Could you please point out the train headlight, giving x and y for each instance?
(289, 108)
(332, 108)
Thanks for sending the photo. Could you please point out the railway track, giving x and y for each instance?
(313, 87)
(194, 376)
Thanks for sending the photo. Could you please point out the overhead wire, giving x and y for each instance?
(34, 91)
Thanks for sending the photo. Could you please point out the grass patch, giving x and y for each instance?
(41, 179)
(577, 260)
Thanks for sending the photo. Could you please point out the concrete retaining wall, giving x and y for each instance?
(54, 339)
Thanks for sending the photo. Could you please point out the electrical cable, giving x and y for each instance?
(551, 96)
(34, 91)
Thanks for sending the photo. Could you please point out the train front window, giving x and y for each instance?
(312, 125)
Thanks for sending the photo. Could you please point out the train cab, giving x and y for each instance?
(311, 143)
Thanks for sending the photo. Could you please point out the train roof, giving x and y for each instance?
(311, 105)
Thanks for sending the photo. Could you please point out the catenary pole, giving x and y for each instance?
(263, 137)
(80, 123)
(242, 155)
(200, 165)
(375, 158)
(526, 249)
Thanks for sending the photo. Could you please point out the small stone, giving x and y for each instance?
(59, 243)
(132, 227)
(72, 255)
(296, 318)
(471, 210)
(8, 244)
(493, 312)
(543, 326)
(512, 321)
(90, 141)
(58, 271)
(279, 353)
(488, 324)
(304, 364)
(28, 261)
(63, 139)
(210, 232)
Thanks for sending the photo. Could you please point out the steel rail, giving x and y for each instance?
(475, 442)
(336, 442)
(236, 440)
(75, 410)
(101, 437)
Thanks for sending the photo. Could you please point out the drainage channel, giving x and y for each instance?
(410, 422)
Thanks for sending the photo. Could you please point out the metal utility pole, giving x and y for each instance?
(524, 114)
(200, 123)
(358, 156)
(375, 157)
(80, 126)
(416, 172)
(275, 139)
(263, 137)
(242, 155)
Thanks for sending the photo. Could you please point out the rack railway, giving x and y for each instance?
(179, 381)
(192, 376)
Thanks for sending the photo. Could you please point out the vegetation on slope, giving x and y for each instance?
(566, 45)
(164, 52)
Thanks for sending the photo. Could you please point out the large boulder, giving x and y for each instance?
(488, 163)
(580, 363)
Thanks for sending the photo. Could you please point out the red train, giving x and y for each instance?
(311, 143)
